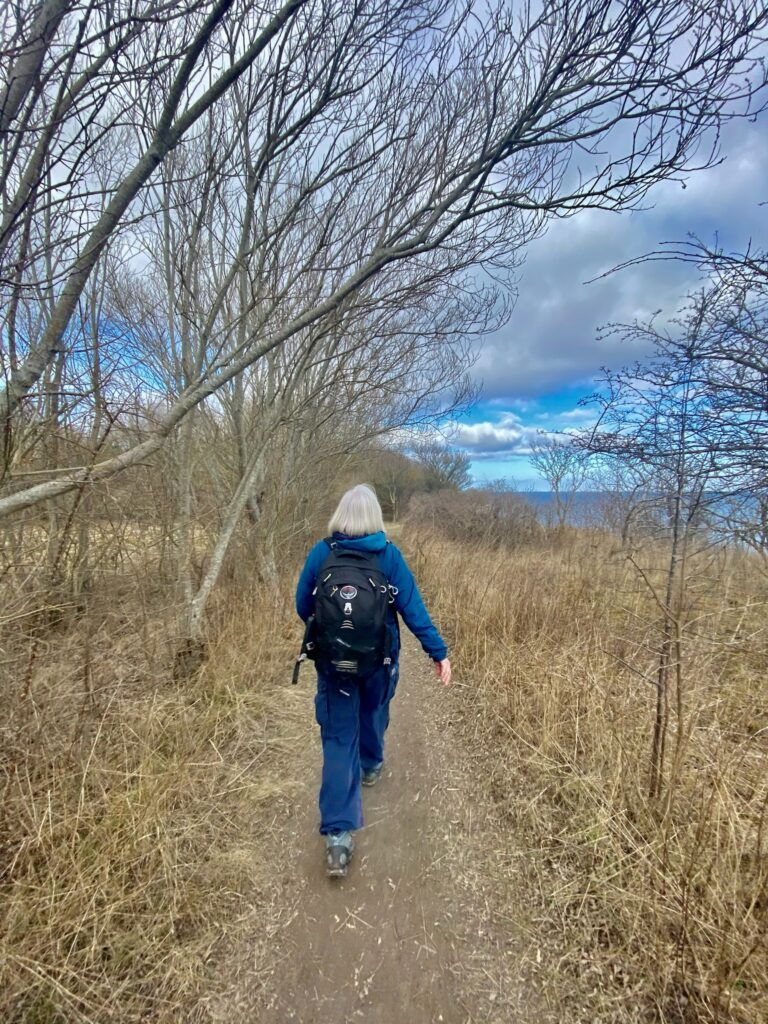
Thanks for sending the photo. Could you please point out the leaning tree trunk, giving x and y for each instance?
(192, 650)
(262, 537)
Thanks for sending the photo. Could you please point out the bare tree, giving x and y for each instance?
(355, 387)
(421, 137)
(665, 422)
(395, 477)
(405, 365)
(442, 466)
(564, 465)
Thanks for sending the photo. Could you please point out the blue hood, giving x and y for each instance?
(375, 542)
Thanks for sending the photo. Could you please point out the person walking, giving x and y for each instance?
(354, 691)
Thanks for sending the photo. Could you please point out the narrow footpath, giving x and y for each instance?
(409, 937)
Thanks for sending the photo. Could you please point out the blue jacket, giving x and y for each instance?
(408, 600)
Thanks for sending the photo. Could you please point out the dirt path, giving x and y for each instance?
(408, 936)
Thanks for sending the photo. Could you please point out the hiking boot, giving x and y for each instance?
(372, 776)
(338, 852)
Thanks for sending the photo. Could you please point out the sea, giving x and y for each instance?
(585, 510)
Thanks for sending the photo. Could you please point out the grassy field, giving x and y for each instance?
(139, 812)
(648, 910)
(136, 810)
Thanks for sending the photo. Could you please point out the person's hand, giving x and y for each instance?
(443, 671)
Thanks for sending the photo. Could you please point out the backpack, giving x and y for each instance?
(351, 633)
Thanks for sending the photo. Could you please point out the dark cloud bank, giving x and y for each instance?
(550, 342)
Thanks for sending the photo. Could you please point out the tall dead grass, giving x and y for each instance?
(649, 910)
(134, 809)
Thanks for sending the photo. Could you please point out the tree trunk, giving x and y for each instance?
(184, 531)
(191, 653)
(661, 719)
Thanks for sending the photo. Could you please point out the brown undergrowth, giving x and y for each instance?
(134, 807)
(645, 910)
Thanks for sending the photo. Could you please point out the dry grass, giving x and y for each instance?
(132, 838)
(137, 812)
(646, 910)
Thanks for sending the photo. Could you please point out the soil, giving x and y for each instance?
(410, 936)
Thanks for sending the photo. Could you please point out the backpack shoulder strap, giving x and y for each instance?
(329, 555)
(372, 557)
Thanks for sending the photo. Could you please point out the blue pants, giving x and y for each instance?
(353, 716)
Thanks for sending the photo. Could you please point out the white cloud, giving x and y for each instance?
(506, 435)
(582, 414)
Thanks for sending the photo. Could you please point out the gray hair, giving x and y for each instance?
(358, 513)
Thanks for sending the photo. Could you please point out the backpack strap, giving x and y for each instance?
(374, 556)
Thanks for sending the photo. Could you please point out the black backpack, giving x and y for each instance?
(350, 634)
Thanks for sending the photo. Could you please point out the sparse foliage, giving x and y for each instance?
(490, 516)
(692, 438)
(564, 466)
(239, 242)
(310, 105)
(442, 467)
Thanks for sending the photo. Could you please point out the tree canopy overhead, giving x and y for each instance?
(332, 156)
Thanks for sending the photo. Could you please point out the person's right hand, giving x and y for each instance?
(443, 671)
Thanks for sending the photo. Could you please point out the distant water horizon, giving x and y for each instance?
(584, 503)
(546, 496)
(588, 508)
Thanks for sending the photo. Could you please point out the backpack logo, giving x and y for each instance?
(347, 593)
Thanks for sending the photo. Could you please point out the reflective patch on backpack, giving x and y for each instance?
(348, 593)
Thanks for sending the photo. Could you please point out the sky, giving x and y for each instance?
(533, 371)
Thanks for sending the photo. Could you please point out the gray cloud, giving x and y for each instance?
(550, 342)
